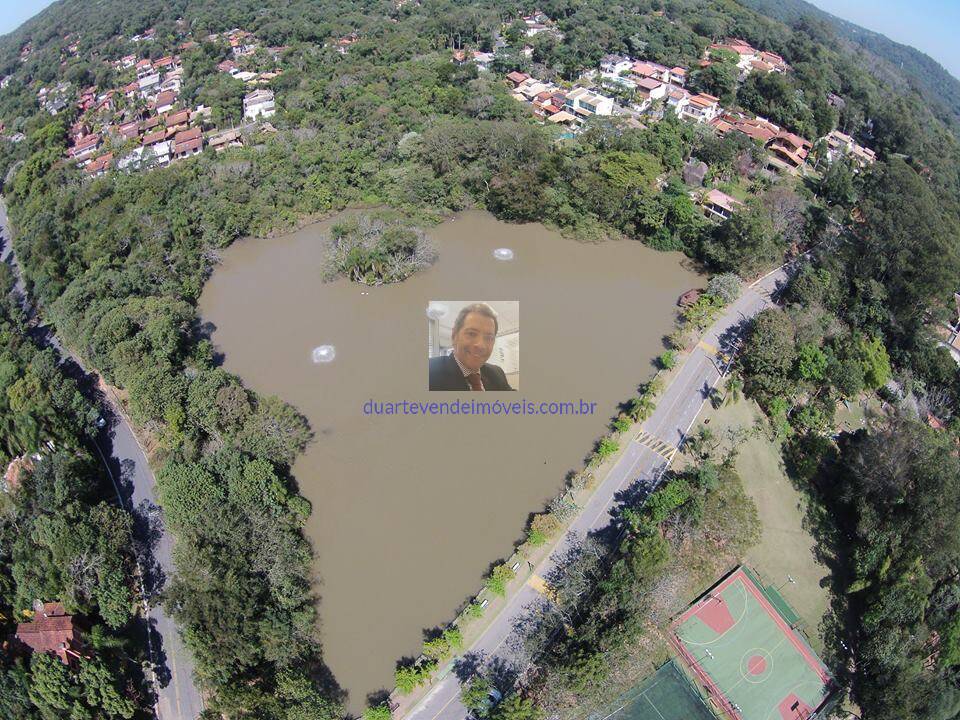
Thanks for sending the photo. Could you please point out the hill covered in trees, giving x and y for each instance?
(937, 86)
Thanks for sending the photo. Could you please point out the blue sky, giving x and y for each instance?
(929, 25)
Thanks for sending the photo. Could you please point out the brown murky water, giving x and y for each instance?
(408, 512)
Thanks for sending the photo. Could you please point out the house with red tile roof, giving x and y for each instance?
(701, 108)
(85, 148)
(164, 102)
(99, 166)
(788, 151)
(517, 77)
(51, 631)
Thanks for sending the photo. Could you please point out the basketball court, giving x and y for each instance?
(744, 651)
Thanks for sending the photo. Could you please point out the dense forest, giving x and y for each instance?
(900, 63)
(118, 262)
(62, 538)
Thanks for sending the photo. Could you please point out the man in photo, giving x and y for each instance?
(466, 367)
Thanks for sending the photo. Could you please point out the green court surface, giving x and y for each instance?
(744, 651)
(665, 695)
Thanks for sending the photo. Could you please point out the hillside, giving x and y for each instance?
(937, 86)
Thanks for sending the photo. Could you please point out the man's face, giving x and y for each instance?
(473, 343)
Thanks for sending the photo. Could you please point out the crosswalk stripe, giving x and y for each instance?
(660, 447)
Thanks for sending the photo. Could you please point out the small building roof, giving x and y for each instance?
(721, 199)
(561, 117)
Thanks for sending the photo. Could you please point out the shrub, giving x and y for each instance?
(667, 359)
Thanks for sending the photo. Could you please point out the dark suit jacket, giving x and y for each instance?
(445, 374)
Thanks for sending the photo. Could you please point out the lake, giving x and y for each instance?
(409, 511)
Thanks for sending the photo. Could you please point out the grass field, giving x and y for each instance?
(785, 548)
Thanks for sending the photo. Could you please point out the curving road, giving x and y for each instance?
(638, 470)
(126, 462)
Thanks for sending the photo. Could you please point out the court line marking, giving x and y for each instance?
(793, 690)
(721, 636)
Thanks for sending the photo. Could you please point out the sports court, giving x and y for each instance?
(745, 652)
(665, 695)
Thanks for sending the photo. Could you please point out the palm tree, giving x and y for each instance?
(734, 390)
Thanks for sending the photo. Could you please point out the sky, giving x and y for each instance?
(928, 25)
(13, 13)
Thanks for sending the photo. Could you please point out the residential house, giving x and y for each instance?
(245, 76)
(741, 48)
(776, 63)
(51, 631)
(130, 130)
(187, 143)
(228, 66)
(226, 139)
(152, 138)
(85, 148)
(531, 87)
(150, 123)
(584, 103)
(144, 68)
(127, 61)
(177, 121)
(201, 114)
(458, 57)
(718, 205)
(564, 118)
(149, 84)
(677, 100)
(172, 82)
(842, 145)
(130, 91)
(165, 101)
(653, 70)
(649, 89)
(483, 60)
(159, 152)
(615, 64)
(99, 166)
(759, 129)
(259, 103)
(701, 108)
(168, 63)
(678, 76)
(517, 77)
(788, 152)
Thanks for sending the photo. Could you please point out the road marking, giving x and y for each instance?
(708, 347)
(660, 447)
(542, 587)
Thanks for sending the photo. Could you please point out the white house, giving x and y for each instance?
(615, 64)
(259, 103)
(584, 103)
(149, 83)
(701, 108)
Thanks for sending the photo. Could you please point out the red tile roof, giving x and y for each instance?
(177, 118)
(186, 135)
(154, 137)
(51, 631)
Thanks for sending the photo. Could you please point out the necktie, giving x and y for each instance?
(474, 380)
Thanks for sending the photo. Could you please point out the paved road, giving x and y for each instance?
(638, 470)
(177, 695)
